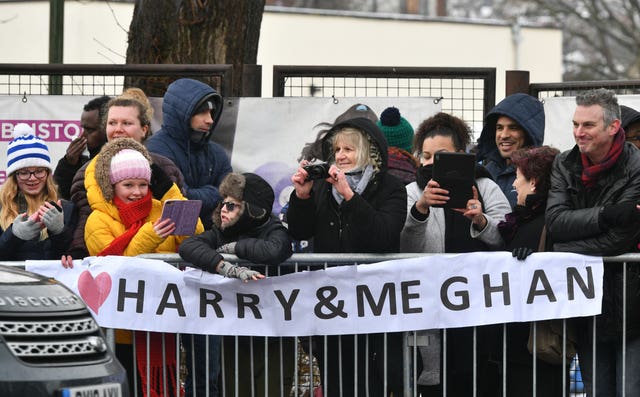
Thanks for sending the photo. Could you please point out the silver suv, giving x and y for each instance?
(50, 345)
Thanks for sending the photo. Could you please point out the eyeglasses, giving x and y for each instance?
(229, 205)
(25, 175)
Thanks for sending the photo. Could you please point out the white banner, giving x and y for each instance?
(439, 291)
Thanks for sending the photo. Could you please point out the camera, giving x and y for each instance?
(317, 171)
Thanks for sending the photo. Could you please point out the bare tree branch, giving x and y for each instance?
(601, 38)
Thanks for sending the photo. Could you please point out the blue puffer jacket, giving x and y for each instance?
(528, 112)
(202, 163)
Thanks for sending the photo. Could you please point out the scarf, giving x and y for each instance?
(535, 205)
(591, 172)
(424, 175)
(133, 216)
(156, 385)
(357, 181)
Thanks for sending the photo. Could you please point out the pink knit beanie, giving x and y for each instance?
(129, 164)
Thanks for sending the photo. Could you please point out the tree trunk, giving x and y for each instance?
(194, 32)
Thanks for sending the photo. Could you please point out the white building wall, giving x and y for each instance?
(96, 32)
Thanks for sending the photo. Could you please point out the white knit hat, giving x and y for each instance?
(26, 150)
(129, 164)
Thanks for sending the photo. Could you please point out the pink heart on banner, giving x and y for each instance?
(94, 291)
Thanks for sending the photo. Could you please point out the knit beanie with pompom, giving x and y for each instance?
(396, 129)
(26, 150)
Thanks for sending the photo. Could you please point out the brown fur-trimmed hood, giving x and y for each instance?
(103, 162)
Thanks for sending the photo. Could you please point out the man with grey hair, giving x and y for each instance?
(592, 209)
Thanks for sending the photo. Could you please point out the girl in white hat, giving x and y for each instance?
(34, 223)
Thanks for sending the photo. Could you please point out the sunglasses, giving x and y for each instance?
(229, 205)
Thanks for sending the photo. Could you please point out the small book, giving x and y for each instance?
(184, 213)
(455, 172)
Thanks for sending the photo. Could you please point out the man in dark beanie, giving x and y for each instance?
(245, 227)
(190, 112)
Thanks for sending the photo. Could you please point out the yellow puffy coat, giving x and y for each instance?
(104, 223)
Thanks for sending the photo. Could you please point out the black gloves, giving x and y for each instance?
(160, 182)
(621, 215)
(521, 253)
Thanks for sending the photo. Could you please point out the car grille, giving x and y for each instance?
(54, 340)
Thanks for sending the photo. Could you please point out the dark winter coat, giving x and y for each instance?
(203, 164)
(268, 244)
(528, 112)
(64, 173)
(527, 232)
(572, 219)
(53, 247)
(368, 223)
(78, 248)
(525, 224)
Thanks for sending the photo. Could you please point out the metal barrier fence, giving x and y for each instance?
(468, 93)
(95, 80)
(269, 358)
(572, 88)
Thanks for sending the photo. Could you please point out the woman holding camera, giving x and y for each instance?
(355, 207)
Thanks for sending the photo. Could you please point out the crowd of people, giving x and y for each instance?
(376, 194)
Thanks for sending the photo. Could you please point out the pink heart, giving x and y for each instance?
(94, 291)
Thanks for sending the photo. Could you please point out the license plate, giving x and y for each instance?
(104, 390)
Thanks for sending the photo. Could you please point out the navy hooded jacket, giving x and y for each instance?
(528, 112)
(203, 164)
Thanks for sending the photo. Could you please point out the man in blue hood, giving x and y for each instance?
(516, 122)
(190, 112)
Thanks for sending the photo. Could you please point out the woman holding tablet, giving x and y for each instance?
(431, 227)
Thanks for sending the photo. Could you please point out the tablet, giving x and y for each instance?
(455, 172)
(184, 213)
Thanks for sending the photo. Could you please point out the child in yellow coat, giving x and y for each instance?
(125, 220)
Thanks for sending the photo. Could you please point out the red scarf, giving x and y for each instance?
(591, 172)
(133, 216)
(156, 378)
